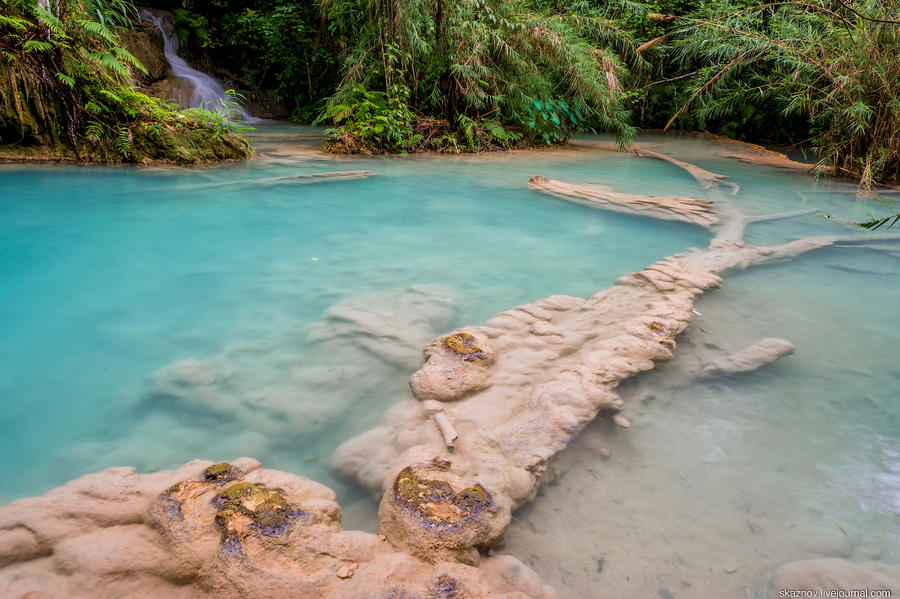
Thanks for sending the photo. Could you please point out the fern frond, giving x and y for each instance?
(37, 46)
(98, 30)
(123, 141)
(66, 80)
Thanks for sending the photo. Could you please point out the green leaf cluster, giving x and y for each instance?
(71, 63)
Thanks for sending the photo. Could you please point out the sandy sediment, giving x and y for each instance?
(831, 574)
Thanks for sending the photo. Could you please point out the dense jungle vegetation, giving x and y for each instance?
(407, 75)
(65, 92)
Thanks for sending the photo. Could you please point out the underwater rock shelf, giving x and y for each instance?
(301, 179)
(679, 208)
(493, 404)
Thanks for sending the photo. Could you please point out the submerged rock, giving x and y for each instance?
(390, 325)
(520, 387)
(751, 358)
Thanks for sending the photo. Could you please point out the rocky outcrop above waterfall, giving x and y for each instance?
(145, 42)
(227, 531)
(153, 39)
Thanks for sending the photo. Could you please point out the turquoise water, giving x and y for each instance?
(110, 276)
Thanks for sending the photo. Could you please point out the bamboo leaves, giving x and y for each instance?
(837, 67)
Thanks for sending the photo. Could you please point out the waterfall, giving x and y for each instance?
(207, 91)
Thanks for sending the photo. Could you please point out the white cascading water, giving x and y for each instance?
(207, 92)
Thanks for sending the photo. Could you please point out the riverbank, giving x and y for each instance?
(197, 146)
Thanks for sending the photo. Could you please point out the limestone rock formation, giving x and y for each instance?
(225, 531)
(430, 512)
(455, 365)
(270, 391)
(706, 179)
(554, 366)
(390, 325)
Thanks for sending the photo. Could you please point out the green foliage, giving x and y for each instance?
(371, 121)
(274, 46)
(482, 59)
(224, 116)
(552, 120)
(73, 60)
(835, 68)
(478, 75)
(876, 222)
(192, 28)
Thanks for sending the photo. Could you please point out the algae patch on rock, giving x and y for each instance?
(244, 506)
(220, 473)
(464, 345)
(435, 502)
(439, 516)
(456, 365)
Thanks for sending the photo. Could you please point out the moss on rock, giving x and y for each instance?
(220, 473)
(435, 503)
(34, 128)
(464, 345)
(244, 507)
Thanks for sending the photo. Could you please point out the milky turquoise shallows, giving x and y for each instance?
(109, 274)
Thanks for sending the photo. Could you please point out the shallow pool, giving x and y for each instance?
(153, 316)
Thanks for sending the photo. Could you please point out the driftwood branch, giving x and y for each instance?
(446, 427)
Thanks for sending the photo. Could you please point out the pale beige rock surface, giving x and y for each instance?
(679, 208)
(257, 533)
(455, 365)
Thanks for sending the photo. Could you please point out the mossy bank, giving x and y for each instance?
(66, 95)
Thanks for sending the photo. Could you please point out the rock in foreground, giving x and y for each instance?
(226, 531)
